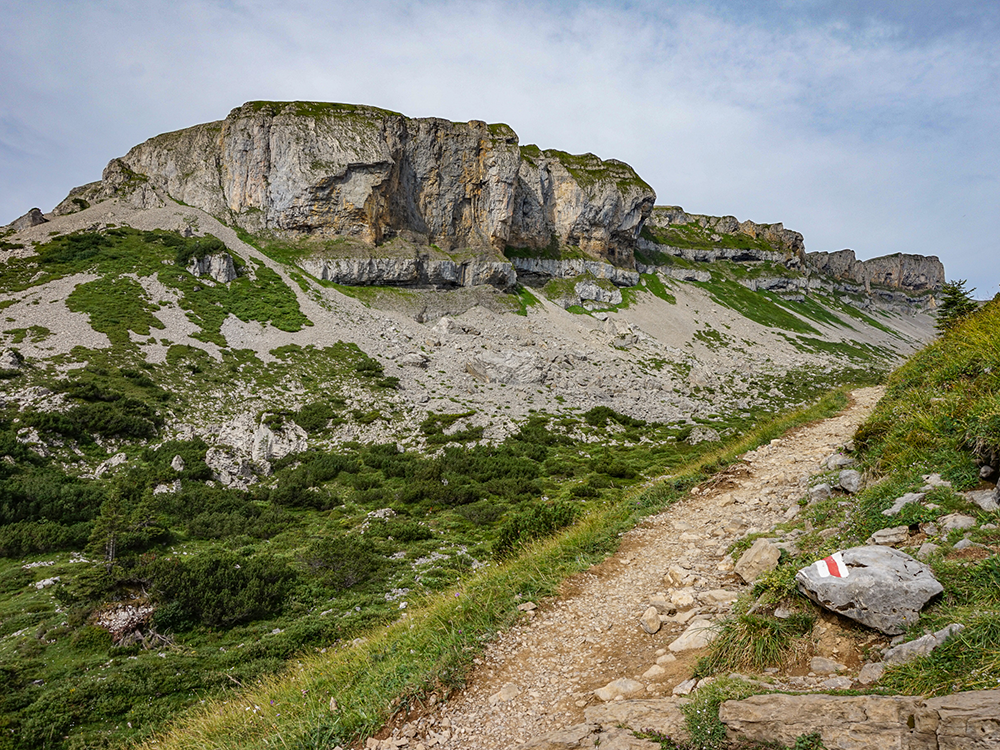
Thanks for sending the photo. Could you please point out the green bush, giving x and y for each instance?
(539, 521)
(345, 561)
(221, 589)
(314, 416)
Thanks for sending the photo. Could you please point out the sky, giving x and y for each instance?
(862, 124)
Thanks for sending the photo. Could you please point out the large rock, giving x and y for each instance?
(878, 586)
(33, 218)
(859, 722)
(418, 269)
(370, 174)
(984, 499)
(699, 634)
(914, 273)
(761, 558)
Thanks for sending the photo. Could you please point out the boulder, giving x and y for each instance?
(217, 266)
(922, 646)
(822, 665)
(880, 587)
(11, 359)
(177, 464)
(568, 738)
(761, 558)
(849, 480)
(820, 492)
(702, 434)
(413, 359)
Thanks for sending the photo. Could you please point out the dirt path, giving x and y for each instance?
(541, 674)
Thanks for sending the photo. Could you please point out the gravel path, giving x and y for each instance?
(541, 674)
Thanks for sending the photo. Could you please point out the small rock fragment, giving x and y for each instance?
(650, 620)
(622, 687)
(761, 558)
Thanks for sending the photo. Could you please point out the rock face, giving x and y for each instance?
(963, 720)
(218, 266)
(877, 586)
(915, 273)
(418, 270)
(366, 173)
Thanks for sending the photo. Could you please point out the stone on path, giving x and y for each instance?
(507, 693)
(820, 492)
(761, 558)
(698, 634)
(622, 687)
(871, 673)
(650, 620)
(822, 665)
(880, 587)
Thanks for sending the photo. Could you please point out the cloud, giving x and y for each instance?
(859, 124)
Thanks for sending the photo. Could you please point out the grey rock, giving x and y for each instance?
(650, 620)
(902, 502)
(820, 492)
(891, 536)
(33, 218)
(177, 464)
(568, 738)
(699, 633)
(762, 557)
(838, 461)
(922, 646)
(985, 499)
(884, 589)
(591, 290)
(956, 521)
(702, 434)
(822, 665)
(686, 687)
(871, 673)
(661, 715)
(964, 544)
(11, 359)
(844, 722)
(933, 481)
(571, 268)
(217, 266)
(900, 271)
(986, 471)
(849, 480)
(116, 460)
(416, 270)
(623, 686)
(926, 550)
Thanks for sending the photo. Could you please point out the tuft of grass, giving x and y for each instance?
(753, 642)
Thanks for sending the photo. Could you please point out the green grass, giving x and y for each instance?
(755, 306)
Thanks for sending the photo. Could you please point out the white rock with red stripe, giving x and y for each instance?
(878, 586)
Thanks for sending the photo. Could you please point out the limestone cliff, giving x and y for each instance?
(370, 174)
(717, 228)
(914, 273)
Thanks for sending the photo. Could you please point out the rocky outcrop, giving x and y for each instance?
(540, 268)
(962, 720)
(582, 201)
(33, 218)
(785, 240)
(370, 174)
(418, 270)
(913, 273)
(217, 266)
